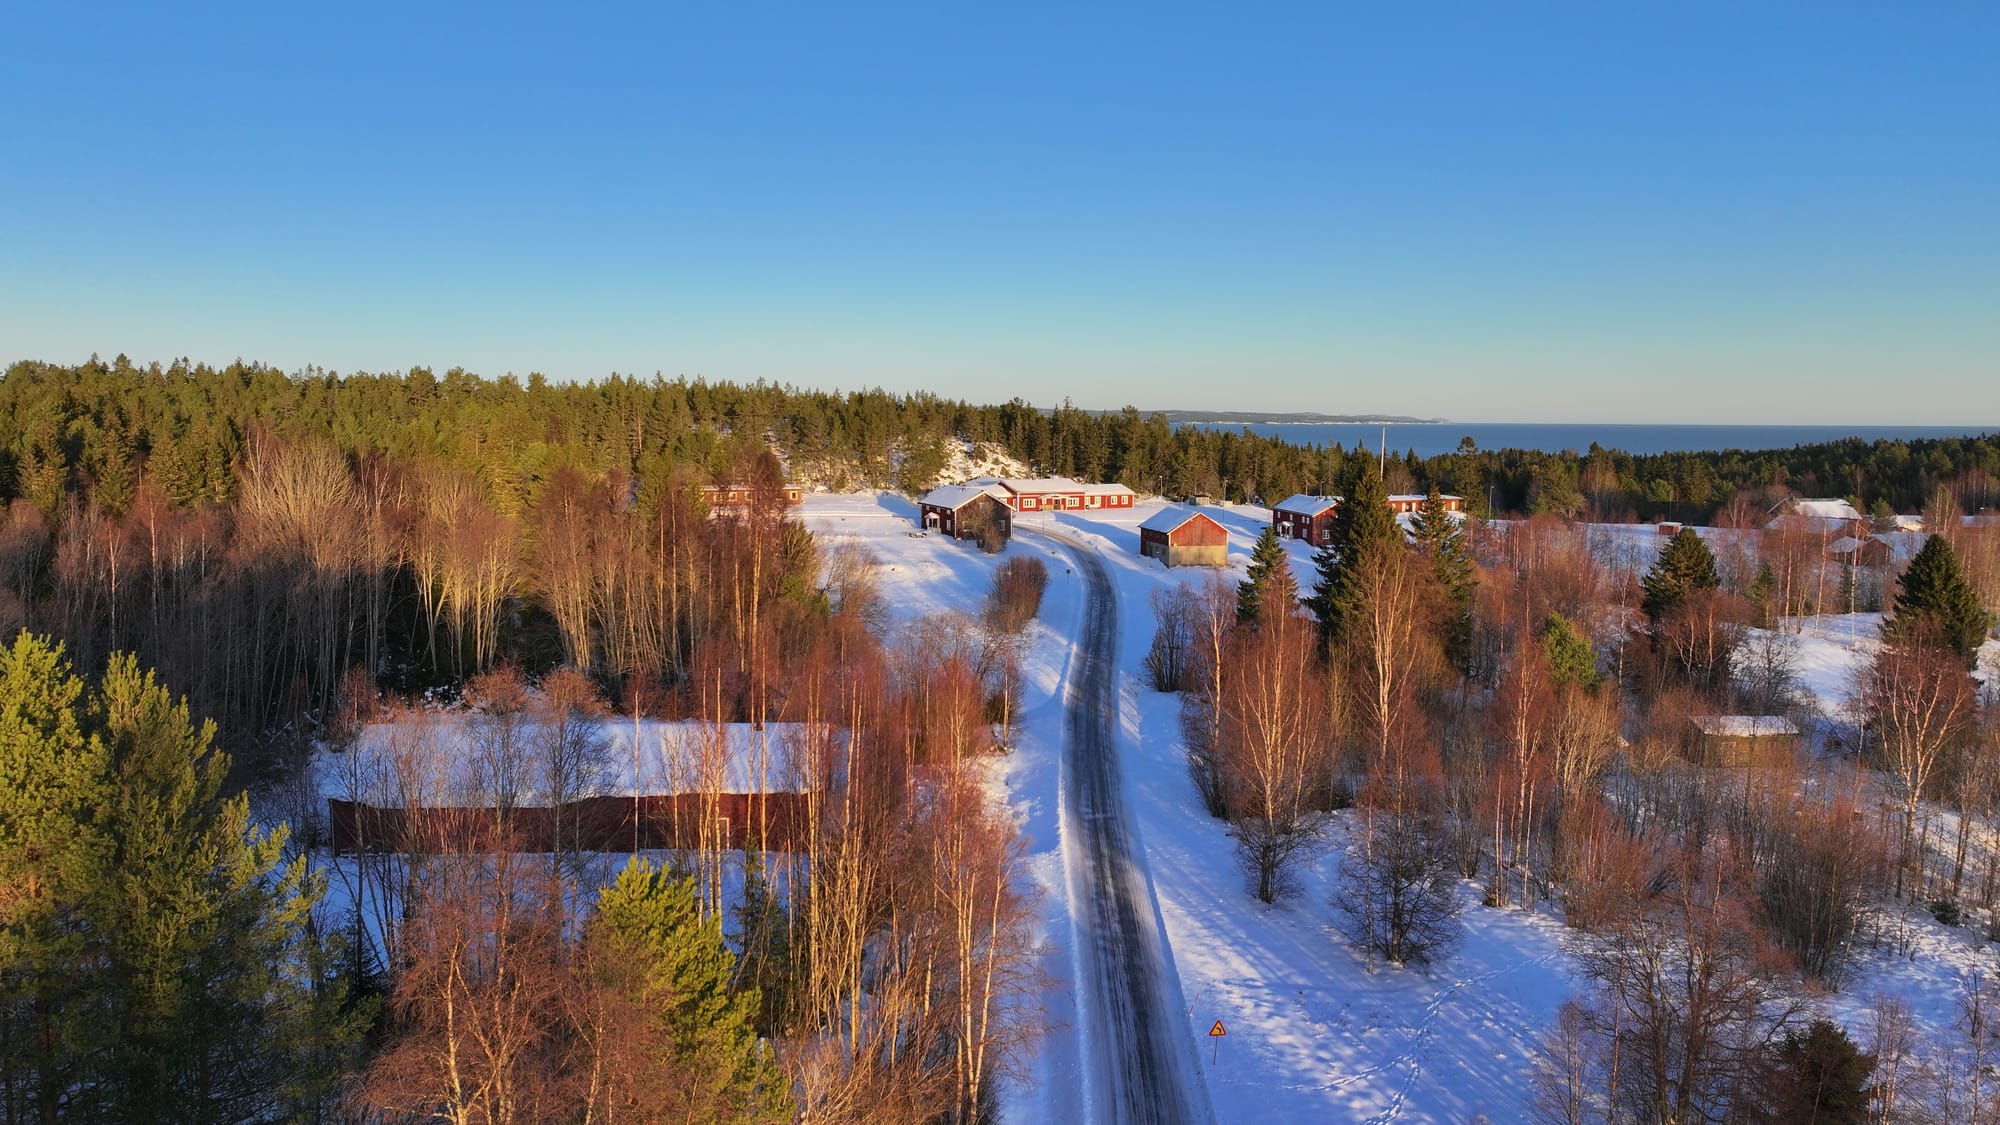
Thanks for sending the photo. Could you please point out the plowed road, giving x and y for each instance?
(1139, 1058)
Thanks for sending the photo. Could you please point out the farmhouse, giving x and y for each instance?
(967, 511)
(1305, 517)
(1056, 494)
(1179, 537)
(1743, 740)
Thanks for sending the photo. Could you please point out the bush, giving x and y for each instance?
(1947, 911)
(1017, 593)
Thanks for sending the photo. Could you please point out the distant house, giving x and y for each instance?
(1306, 517)
(1906, 523)
(1410, 503)
(1056, 494)
(742, 495)
(1667, 527)
(1743, 740)
(966, 511)
(1821, 517)
(1872, 550)
(1179, 537)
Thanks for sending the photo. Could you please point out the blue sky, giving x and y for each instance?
(1486, 212)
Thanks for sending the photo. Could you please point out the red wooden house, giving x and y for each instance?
(1057, 494)
(966, 511)
(1306, 517)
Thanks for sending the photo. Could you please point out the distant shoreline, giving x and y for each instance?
(1291, 418)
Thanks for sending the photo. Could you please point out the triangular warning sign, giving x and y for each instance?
(1217, 1029)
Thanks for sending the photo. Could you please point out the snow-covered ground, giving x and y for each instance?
(1314, 1031)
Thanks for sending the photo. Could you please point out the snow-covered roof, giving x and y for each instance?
(1744, 726)
(1167, 519)
(1037, 485)
(447, 759)
(1300, 503)
(1844, 544)
(1419, 497)
(1824, 509)
(956, 496)
(1907, 523)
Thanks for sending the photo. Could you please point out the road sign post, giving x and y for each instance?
(1215, 1035)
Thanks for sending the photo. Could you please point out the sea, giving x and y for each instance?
(1428, 439)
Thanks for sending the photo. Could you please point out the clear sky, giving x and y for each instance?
(1499, 211)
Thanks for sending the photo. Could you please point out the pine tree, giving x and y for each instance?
(1685, 566)
(1362, 526)
(653, 946)
(224, 998)
(1441, 540)
(163, 957)
(1937, 607)
(1270, 582)
(52, 781)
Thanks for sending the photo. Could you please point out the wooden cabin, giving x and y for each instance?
(1179, 537)
(1743, 741)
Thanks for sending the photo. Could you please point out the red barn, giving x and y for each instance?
(1179, 537)
(425, 786)
(1306, 517)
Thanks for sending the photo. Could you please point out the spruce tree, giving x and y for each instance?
(653, 943)
(1937, 607)
(1270, 583)
(1685, 566)
(1571, 659)
(1363, 527)
(1441, 540)
(1817, 1075)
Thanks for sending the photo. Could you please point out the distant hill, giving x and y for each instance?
(1243, 417)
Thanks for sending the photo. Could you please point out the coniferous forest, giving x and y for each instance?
(259, 534)
(210, 575)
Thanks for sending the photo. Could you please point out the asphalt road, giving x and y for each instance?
(1139, 1055)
